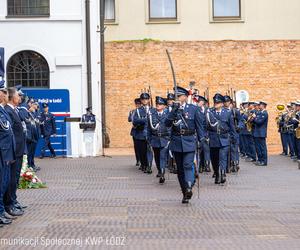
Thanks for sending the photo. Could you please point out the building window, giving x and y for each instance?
(25, 8)
(110, 11)
(29, 69)
(226, 9)
(162, 10)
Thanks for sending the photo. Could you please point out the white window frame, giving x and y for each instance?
(227, 19)
(162, 21)
(116, 21)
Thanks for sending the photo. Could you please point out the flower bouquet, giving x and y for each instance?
(28, 178)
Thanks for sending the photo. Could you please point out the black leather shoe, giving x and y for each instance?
(223, 177)
(15, 211)
(162, 180)
(20, 206)
(137, 164)
(217, 179)
(4, 220)
(185, 200)
(214, 175)
(53, 156)
(188, 193)
(261, 164)
(7, 216)
(41, 157)
(149, 170)
(250, 160)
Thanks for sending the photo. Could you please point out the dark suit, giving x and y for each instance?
(48, 128)
(19, 135)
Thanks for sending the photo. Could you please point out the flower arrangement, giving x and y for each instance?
(28, 178)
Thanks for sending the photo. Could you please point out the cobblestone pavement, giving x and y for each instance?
(107, 201)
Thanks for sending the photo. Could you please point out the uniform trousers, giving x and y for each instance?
(4, 182)
(136, 150)
(185, 169)
(47, 144)
(219, 158)
(160, 156)
(142, 151)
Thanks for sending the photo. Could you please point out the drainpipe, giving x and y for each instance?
(102, 70)
(88, 52)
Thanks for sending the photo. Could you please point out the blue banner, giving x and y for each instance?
(2, 67)
(58, 101)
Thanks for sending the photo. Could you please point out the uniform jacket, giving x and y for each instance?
(189, 119)
(158, 133)
(140, 122)
(130, 119)
(18, 130)
(32, 129)
(260, 124)
(7, 140)
(48, 126)
(221, 128)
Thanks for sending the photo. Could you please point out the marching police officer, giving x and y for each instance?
(233, 164)
(137, 103)
(185, 123)
(171, 161)
(260, 123)
(140, 122)
(203, 147)
(221, 131)
(159, 136)
(48, 128)
(297, 125)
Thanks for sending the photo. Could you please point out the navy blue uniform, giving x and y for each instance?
(186, 126)
(221, 130)
(48, 128)
(132, 133)
(260, 125)
(159, 138)
(284, 134)
(31, 138)
(7, 154)
(140, 122)
(203, 156)
(20, 139)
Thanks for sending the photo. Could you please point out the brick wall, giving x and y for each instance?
(268, 70)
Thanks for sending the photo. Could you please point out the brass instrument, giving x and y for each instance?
(297, 130)
(249, 124)
(280, 108)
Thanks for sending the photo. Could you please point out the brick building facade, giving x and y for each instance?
(268, 69)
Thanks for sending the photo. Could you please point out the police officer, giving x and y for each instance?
(137, 103)
(185, 123)
(221, 130)
(159, 136)
(171, 161)
(242, 139)
(7, 154)
(140, 122)
(89, 116)
(32, 134)
(203, 147)
(239, 124)
(260, 123)
(12, 206)
(282, 129)
(48, 128)
(297, 125)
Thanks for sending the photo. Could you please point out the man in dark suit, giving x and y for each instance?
(12, 206)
